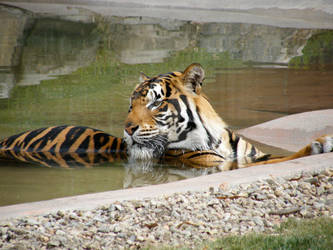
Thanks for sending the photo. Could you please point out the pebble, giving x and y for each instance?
(178, 220)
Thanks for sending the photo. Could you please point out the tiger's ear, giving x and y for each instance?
(143, 77)
(193, 77)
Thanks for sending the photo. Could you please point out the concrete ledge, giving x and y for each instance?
(202, 183)
(281, 13)
(292, 132)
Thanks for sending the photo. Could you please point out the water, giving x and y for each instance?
(56, 71)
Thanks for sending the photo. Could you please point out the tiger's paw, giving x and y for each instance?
(323, 144)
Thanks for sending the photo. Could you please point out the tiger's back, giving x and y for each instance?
(63, 146)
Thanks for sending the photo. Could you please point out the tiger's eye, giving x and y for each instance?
(157, 103)
(154, 105)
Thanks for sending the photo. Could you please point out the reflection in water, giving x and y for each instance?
(45, 47)
(7, 83)
(56, 47)
(257, 43)
(25, 183)
(35, 49)
(147, 173)
(145, 40)
(14, 23)
(102, 52)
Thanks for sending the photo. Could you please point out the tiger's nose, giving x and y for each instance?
(130, 129)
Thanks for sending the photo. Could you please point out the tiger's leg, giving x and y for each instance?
(194, 159)
(235, 147)
(323, 144)
(231, 152)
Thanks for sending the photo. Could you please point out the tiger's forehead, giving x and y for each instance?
(159, 81)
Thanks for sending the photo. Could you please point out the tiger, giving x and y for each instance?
(80, 146)
(169, 114)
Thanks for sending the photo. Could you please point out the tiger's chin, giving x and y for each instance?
(146, 150)
(138, 152)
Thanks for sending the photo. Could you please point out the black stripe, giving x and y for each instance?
(6, 143)
(169, 74)
(113, 148)
(263, 158)
(99, 158)
(163, 108)
(10, 140)
(162, 123)
(175, 103)
(172, 155)
(188, 110)
(71, 137)
(31, 136)
(205, 153)
(48, 137)
(253, 151)
(100, 140)
(190, 125)
(71, 161)
(233, 143)
(10, 154)
(42, 157)
(168, 89)
(210, 137)
(122, 145)
(52, 150)
(83, 147)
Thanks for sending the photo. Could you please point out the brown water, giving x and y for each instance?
(55, 71)
(251, 96)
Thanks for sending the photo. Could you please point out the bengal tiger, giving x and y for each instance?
(169, 113)
(169, 119)
(75, 146)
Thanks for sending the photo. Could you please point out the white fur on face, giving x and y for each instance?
(145, 147)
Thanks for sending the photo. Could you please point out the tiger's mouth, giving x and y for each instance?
(146, 149)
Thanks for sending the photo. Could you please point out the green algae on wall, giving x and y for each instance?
(317, 53)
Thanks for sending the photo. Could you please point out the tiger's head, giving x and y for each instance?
(169, 111)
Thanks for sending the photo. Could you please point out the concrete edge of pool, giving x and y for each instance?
(314, 163)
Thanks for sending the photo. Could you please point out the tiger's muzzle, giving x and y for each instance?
(144, 144)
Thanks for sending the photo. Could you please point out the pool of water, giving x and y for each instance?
(56, 71)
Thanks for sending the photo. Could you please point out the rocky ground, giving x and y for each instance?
(180, 219)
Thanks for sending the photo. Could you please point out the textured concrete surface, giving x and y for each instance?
(292, 132)
(280, 13)
(322, 5)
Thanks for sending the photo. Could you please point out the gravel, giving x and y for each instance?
(181, 219)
